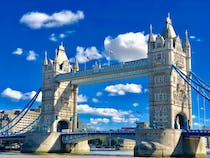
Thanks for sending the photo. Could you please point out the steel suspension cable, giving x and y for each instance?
(26, 109)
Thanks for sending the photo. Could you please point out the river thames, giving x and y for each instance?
(93, 154)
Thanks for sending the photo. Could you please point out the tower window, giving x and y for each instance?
(158, 56)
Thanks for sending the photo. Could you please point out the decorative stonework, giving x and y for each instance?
(170, 96)
(59, 99)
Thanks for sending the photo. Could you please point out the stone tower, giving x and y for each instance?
(59, 100)
(170, 96)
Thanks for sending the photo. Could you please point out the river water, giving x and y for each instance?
(93, 154)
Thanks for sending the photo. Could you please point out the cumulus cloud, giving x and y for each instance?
(126, 47)
(18, 95)
(18, 51)
(96, 121)
(195, 38)
(31, 55)
(121, 89)
(57, 37)
(82, 98)
(135, 104)
(37, 20)
(98, 94)
(95, 100)
(117, 116)
(85, 54)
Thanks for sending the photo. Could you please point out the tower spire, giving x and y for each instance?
(76, 65)
(151, 36)
(186, 42)
(168, 30)
(45, 58)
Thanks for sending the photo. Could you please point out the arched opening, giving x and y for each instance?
(62, 125)
(180, 122)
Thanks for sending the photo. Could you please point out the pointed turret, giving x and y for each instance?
(186, 42)
(168, 31)
(76, 65)
(187, 50)
(45, 58)
(60, 54)
(151, 36)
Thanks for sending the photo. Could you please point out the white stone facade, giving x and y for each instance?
(58, 99)
(169, 95)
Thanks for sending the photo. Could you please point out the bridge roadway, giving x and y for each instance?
(74, 137)
(68, 138)
(107, 73)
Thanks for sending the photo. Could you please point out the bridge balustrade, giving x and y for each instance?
(74, 137)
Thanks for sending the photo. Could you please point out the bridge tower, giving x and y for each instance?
(170, 99)
(58, 109)
(59, 100)
(170, 96)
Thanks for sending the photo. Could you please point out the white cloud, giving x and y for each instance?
(31, 55)
(126, 47)
(96, 121)
(121, 89)
(84, 55)
(146, 90)
(195, 38)
(192, 37)
(81, 98)
(18, 51)
(13, 94)
(95, 100)
(53, 37)
(117, 116)
(135, 104)
(37, 20)
(193, 116)
(56, 37)
(98, 94)
(17, 95)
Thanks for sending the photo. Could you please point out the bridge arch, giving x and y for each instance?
(181, 121)
(62, 124)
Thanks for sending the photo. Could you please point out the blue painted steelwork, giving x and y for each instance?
(107, 73)
(12, 136)
(196, 133)
(19, 117)
(74, 137)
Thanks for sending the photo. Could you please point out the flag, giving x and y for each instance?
(88, 58)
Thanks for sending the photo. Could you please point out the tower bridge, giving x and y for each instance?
(169, 100)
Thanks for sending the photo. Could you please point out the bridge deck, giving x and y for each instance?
(77, 136)
(196, 133)
(107, 73)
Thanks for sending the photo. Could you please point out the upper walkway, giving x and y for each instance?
(107, 73)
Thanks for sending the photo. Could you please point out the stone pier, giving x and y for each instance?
(51, 143)
(168, 143)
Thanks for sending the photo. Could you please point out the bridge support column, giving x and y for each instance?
(166, 143)
(128, 144)
(42, 142)
(78, 148)
(194, 146)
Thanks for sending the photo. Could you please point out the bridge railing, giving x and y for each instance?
(104, 69)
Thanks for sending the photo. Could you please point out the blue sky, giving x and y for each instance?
(31, 27)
